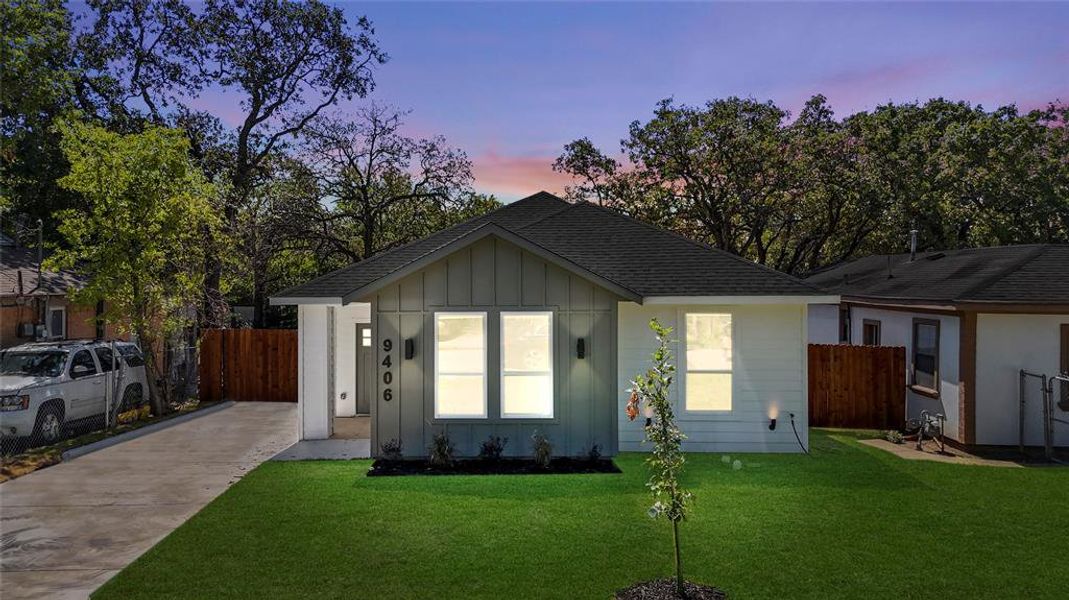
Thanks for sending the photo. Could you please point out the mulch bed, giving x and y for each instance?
(665, 589)
(505, 466)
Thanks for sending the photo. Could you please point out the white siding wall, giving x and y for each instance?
(314, 387)
(896, 329)
(345, 320)
(1004, 345)
(823, 324)
(768, 377)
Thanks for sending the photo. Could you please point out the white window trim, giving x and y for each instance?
(486, 368)
(51, 334)
(501, 358)
(682, 320)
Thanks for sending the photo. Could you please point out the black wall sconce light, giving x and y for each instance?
(580, 348)
(772, 424)
(410, 348)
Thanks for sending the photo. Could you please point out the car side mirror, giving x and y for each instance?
(79, 371)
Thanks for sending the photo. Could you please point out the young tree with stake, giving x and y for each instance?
(666, 460)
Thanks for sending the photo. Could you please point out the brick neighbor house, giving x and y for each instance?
(34, 304)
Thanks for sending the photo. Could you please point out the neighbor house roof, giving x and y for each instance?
(637, 259)
(16, 259)
(1025, 274)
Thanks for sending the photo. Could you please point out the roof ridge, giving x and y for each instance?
(567, 206)
(705, 246)
(382, 255)
(987, 282)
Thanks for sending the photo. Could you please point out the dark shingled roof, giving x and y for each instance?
(643, 259)
(1026, 274)
(15, 259)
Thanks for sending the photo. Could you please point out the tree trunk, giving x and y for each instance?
(259, 293)
(152, 373)
(679, 563)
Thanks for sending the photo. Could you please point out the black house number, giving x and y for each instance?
(387, 376)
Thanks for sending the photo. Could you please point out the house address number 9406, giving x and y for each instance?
(387, 375)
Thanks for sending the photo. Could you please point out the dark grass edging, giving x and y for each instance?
(665, 589)
(505, 466)
(126, 436)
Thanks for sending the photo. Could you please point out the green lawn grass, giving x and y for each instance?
(848, 522)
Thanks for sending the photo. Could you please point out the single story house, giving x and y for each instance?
(970, 320)
(534, 318)
(34, 304)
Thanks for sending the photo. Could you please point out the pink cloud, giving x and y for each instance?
(517, 176)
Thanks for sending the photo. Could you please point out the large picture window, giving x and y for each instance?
(926, 356)
(527, 365)
(460, 365)
(708, 362)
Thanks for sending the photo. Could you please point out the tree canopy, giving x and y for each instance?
(139, 241)
(740, 175)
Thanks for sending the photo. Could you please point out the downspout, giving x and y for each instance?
(40, 253)
(912, 245)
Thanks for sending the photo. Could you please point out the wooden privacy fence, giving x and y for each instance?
(248, 365)
(857, 386)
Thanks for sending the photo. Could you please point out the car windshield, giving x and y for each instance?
(131, 354)
(48, 363)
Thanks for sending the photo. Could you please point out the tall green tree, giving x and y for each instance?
(136, 59)
(286, 62)
(139, 241)
(383, 185)
(796, 195)
(36, 86)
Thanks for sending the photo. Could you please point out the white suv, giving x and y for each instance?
(48, 385)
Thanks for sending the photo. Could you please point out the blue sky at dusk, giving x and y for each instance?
(512, 83)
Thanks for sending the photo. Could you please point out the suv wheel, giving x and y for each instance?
(49, 428)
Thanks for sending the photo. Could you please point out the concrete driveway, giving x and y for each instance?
(67, 529)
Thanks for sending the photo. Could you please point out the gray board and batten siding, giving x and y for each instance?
(494, 275)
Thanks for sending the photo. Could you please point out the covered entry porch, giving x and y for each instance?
(334, 386)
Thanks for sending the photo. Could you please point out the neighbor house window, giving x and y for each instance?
(459, 365)
(57, 323)
(870, 332)
(926, 355)
(527, 365)
(844, 324)
(708, 362)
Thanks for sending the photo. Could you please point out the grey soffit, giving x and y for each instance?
(636, 259)
(1026, 274)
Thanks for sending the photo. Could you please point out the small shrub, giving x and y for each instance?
(391, 450)
(493, 448)
(895, 437)
(594, 453)
(441, 450)
(543, 450)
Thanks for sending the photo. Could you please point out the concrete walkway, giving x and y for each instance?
(67, 529)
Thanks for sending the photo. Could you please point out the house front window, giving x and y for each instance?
(926, 356)
(460, 365)
(707, 383)
(527, 365)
